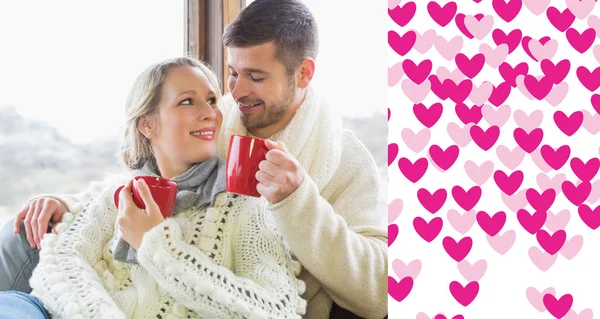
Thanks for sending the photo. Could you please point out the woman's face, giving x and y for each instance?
(188, 121)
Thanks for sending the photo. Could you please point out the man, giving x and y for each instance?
(320, 181)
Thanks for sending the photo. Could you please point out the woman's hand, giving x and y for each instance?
(133, 221)
(37, 215)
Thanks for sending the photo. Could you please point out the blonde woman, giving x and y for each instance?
(219, 256)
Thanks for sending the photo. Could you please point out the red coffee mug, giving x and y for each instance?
(245, 153)
(164, 193)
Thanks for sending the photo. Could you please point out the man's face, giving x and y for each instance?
(260, 85)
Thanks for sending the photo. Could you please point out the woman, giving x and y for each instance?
(219, 256)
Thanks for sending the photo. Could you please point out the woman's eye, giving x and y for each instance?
(187, 101)
(212, 101)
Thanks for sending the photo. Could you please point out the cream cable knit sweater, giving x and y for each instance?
(336, 221)
(224, 262)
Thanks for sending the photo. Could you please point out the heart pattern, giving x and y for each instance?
(493, 158)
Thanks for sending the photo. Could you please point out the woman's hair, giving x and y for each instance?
(142, 102)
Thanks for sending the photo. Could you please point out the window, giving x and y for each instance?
(65, 70)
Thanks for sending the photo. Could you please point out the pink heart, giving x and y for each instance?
(461, 223)
(535, 297)
(595, 194)
(536, 7)
(581, 8)
(541, 259)
(416, 92)
(448, 49)
(460, 136)
(495, 116)
(502, 243)
(421, 315)
(456, 76)
(594, 22)
(529, 122)
(543, 51)
(597, 52)
(479, 174)
(425, 41)
(472, 272)
(411, 270)
(571, 247)
(479, 28)
(393, 3)
(520, 81)
(494, 57)
(515, 201)
(537, 158)
(395, 73)
(482, 93)
(558, 221)
(416, 142)
(584, 314)
(557, 94)
(544, 182)
(394, 209)
(591, 122)
(511, 159)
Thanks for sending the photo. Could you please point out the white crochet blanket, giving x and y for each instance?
(304, 136)
(224, 262)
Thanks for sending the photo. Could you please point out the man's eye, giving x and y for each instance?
(255, 79)
(187, 101)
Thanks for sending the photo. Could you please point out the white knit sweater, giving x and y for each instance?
(336, 221)
(228, 261)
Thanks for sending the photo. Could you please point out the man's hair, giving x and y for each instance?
(287, 23)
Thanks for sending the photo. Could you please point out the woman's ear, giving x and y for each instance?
(145, 126)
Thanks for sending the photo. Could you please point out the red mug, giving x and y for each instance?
(245, 153)
(164, 193)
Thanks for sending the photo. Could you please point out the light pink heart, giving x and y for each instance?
(494, 57)
(541, 259)
(479, 174)
(482, 93)
(584, 314)
(502, 243)
(529, 122)
(460, 136)
(536, 7)
(457, 76)
(543, 51)
(511, 159)
(595, 194)
(416, 92)
(539, 161)
(425, 41)
(536, 298)
(495, 116)
(479, 28)
(403, 270)
(594, 22)
(448, 49)
(421, 315)
(394, 209)
(581, 8)
(515, 201)
(461, 223)
(416, 142)
(520, 81)
(591, 122)
(572, 247)
(395, 73)
(472, 272)
(393, 3)
(597, 52)
(557, 94)
(545, 182)
(558, 221)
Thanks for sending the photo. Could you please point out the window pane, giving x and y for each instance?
(65, 70)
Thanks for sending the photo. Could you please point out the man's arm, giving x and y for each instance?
(343, 241)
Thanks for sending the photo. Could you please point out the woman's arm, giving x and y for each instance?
(262, 284)
(64, 279)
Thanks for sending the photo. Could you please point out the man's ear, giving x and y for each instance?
(306, 71)
(146, 126)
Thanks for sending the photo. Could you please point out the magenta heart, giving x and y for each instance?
(428, 231)
(508, 184)
(558, 308)
(509, 74)
(392, 152)
(551, 243)
(402, 44)
(417, 73)
(590, 217)
(560, 20)
(500, 94)
(581, 41)
(576, 194)
(457, 250)
(507, 10)
(591, 80)
(531, 223)
(596, 102)
(485, 139)
(442, 15)
(399, 290)
(468, 115)
(568, 124)
(585, 171)
(512, 40)
(392, 233)
(428, 116)
(466, 199)
(403, 14)
(555, 158)
(464, 295)
(528, 142)
(556, 73)
(540, 202)
(491, 225)
(413, 171)
(432, 202)
(444, 159)
(470, 67)
(538, 88)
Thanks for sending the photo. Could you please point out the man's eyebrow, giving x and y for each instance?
(251, 70)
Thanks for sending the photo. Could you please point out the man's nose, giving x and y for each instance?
(240, 89)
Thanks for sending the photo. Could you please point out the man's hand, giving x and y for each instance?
(37, 215)
(279, 175)
(133, 221)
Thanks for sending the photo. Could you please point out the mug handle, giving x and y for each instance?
(116, 195)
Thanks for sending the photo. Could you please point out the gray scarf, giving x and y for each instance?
(196, 187)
